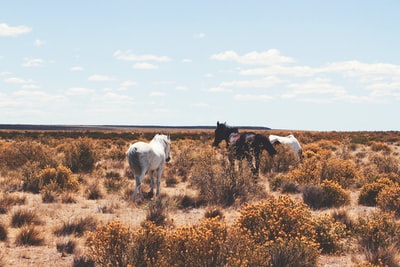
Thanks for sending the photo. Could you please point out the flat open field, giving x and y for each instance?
(59, 186)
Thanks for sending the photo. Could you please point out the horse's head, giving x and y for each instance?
(220, 133)
(165, 141)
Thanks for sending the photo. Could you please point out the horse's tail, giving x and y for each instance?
(134, 159)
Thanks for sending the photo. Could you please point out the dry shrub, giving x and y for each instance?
(8, 200)
(77, 227)
(329, 233)
(22, 217)
(369, 192)
(157, 212)
(376, 234)
(17, 154)
(308, 173)
(199, 245)
(81, 155)
(379, 146)
(53, 179)
(341, 171)
(275, 219)
(67, 247)
(282, 228)
(385, 163)
(109, 245)
(283, 161)
(220, 183)
(388, 199)
(29, 236)
(3, 232)
(327, 195)
(184, 159)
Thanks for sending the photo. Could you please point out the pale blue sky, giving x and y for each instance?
(306, 65)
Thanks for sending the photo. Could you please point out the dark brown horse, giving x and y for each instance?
(247, 145)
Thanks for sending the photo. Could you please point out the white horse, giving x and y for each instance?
(288, 140)
(149, 157)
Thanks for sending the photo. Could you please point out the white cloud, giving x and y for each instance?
(30, 86)
(199, 35)
(79, 91)
(32, 62)
(39, 42)
(186, 60)
(208, 75)
(100, 78)
(76, 68)
(258, 83)
(6, 30)
(145, 66)
(129, 56)
(269, 57)
(17, 80)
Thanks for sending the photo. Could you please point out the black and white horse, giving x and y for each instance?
(247, 145)
(149, 157)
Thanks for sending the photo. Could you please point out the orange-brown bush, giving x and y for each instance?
(376, 234)
(388, 199)
(369, 192)
(54, 179)
(341, 171)
(329, 233)
(81, 155)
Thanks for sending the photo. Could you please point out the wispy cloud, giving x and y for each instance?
(199, 35)
(39, 42)
(145, 66)
(347, 81)
(17, 80)
(32, 62)
(253, 97)
(79, 91)
(269, 57)
(130, 56)
(100, 78)
(76, 68)
(6, 30)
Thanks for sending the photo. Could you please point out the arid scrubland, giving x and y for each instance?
(65, 200)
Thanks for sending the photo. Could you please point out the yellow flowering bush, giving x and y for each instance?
(198, 245)
(388, 199)
(109, 245)
(369, 192)
(329, 233)
(277, 218)
(56, 179)
(341, 171)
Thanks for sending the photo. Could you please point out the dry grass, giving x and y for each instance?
(48, 227)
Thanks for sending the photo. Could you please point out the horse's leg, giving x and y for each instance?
(159, 173)
(138, 187)
(257, 167)
(151, 192)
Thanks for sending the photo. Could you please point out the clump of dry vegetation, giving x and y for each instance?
(70, 193)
